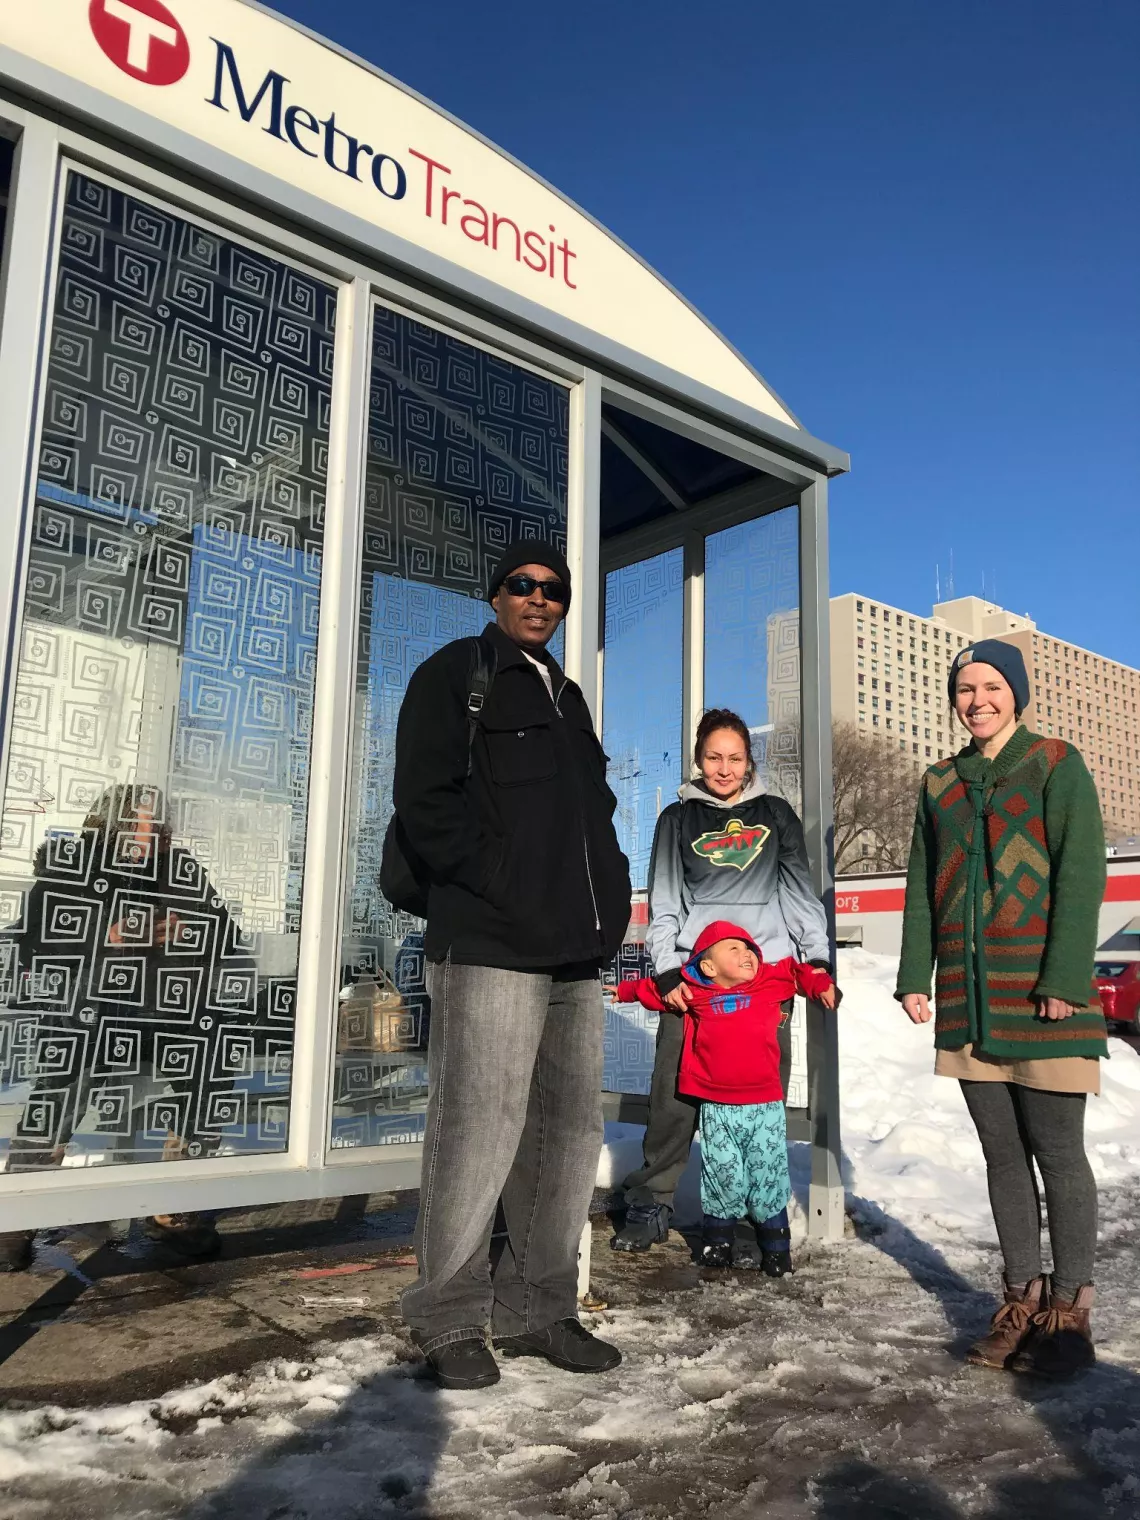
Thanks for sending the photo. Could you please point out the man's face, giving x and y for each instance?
(529, 620)
(730, 962)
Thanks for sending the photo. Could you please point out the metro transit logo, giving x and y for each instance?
(142, 38)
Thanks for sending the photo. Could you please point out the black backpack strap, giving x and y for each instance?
(480, 675)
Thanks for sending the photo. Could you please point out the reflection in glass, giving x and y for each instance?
(752, 639)
(467, 454)
(641, 698)
(154, 813)
(7, 154)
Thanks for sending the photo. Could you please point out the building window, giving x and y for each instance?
(928, 751)
(862, 680)
(862, 697)
(858, 606)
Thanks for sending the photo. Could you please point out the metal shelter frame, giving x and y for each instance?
(61, 123)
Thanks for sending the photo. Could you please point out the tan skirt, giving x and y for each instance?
(1068, 1074)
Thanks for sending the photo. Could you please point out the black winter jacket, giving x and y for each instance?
(524, 862)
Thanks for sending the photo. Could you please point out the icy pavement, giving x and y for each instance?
(836, 1393)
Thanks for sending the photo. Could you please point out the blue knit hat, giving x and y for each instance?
(1006, 658)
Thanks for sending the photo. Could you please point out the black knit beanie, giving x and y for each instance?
(530, 551)
(1006, 658)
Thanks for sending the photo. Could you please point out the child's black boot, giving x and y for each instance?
(716, 1241)
(775, 1240)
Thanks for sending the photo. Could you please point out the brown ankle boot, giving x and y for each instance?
(1010, 1326)
(1061, 1341)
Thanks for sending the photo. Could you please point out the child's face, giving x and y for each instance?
(730, 962)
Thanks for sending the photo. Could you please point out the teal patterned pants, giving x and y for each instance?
(744, 1160)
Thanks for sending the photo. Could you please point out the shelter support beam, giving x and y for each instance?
(583, 534)
(825, 1205)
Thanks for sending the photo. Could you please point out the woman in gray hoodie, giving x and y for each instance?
(725, 850)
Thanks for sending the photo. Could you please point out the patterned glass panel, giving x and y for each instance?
(641, 697)
(154, 813)
(467, 454)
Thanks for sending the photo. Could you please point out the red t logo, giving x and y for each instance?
(142, 38)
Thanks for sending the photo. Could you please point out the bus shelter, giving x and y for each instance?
(288, 357)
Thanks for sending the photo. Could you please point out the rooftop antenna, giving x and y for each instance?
(950, 581)
(937, 585)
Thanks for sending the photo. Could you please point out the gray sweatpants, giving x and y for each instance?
(514, 1112)
(673, 1119)
(1017, 1127)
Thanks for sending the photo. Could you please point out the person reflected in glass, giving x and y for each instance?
(726, 849)
(109, 910)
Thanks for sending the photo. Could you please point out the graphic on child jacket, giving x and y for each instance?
(731, 1053)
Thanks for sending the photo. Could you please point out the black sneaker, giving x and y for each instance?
(464, 1364)
(646, 1224)
(566, 1344)
(716, 1253)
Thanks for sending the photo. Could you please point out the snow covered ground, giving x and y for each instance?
(837, 1392)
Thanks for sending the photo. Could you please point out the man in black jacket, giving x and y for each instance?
(529, 896)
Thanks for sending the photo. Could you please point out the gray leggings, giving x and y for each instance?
(1018, 1126)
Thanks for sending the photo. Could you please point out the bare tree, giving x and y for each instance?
(876, 790)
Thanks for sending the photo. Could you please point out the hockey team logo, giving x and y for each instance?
(735, 845)
(142, 38)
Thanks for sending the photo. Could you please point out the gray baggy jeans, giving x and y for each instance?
(673, 1118)
(514, 1113)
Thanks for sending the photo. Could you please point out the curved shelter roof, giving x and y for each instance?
(253, 99)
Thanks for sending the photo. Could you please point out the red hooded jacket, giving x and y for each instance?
(731, 1053)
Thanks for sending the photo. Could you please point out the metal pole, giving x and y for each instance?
(825, 1199)
(583, 533)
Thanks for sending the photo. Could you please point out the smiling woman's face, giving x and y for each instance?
(984, 701)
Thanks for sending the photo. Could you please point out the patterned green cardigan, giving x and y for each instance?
(1003, 894)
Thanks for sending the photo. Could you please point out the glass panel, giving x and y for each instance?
(752, 664)
(641, 698)
(467, 454)
(642, 735)
(155, 808)
(752, 639)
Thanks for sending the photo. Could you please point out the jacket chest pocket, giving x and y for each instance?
(521, 755)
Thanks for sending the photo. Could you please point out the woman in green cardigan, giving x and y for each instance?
(1004, 888)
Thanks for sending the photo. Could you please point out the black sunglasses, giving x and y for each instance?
(525, 585)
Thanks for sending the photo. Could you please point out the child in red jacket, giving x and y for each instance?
(731, 1062)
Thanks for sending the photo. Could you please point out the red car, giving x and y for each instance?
(1119, 985)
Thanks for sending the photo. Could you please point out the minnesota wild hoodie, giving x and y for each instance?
(745, 861)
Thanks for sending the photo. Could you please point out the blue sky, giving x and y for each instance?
(918, 220)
